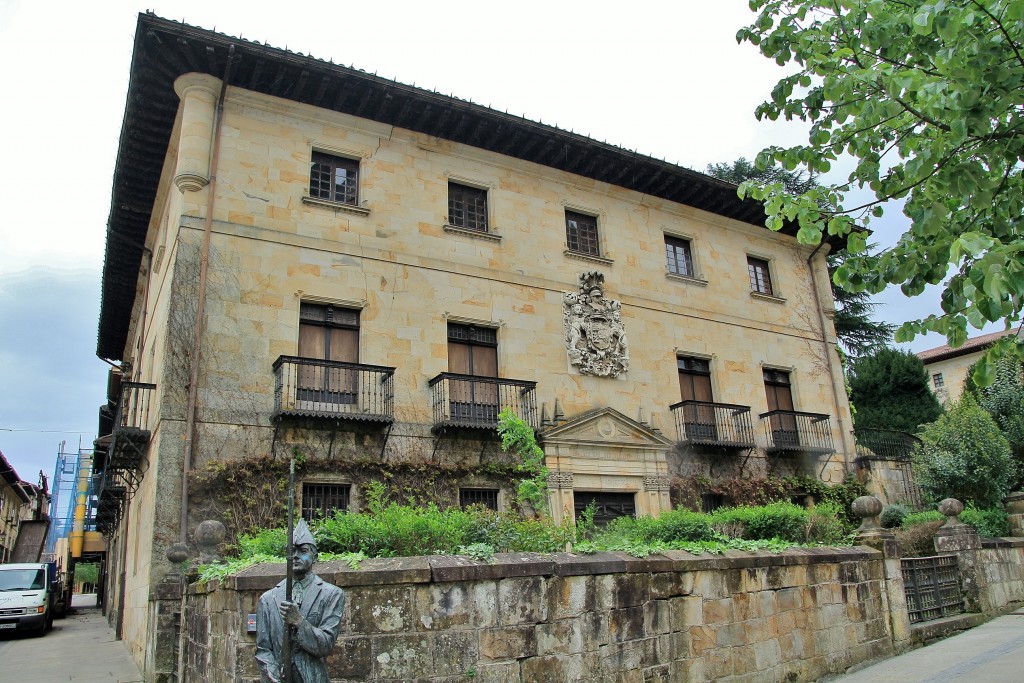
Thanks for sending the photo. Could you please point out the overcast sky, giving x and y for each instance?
(663, 78)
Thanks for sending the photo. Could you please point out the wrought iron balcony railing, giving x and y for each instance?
(125, 462)
(703, 423)
(791, 430)
(313, 387)
(884, 444)
(474, 402)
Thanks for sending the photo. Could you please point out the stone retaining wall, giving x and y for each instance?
(793, 616)
(1001, 573)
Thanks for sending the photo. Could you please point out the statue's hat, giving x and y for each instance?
(301, 535)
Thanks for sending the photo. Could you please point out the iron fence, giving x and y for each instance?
(474, 402)
(791, 430)
(327, 388)
(713, 424)
(932, 585)
(884, 444)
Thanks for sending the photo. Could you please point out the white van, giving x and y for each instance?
(28, 595)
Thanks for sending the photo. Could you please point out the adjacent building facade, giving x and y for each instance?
(379, 270)
(948, 367)
(21, 502)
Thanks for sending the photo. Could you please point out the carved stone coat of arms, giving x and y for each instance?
(595, 337)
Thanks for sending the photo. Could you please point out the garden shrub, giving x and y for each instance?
(923, 517)
(918, 540)
(781, 520)
(508, 532)
(826, 526)
(993, 522)
(893, 515)
(264, 542)
(965, 456)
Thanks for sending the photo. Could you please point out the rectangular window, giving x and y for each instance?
(323, 500)
(467, 207)
(486, 497)
(677, 253)
(695, 385)
(581, 233)
(328, 335)
(937, 381)
(334, 178)
(780, 398)
(760, 279)
(473, 351)
(607, 505)
(709, 502)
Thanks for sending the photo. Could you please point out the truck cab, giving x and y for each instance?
(29, 595)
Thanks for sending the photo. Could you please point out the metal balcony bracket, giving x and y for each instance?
(828, 459)
(384, 444)
(722, 452)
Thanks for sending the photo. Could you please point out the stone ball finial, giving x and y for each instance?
(209, 534)
(951, 508)
(177, 553)
(867, 508)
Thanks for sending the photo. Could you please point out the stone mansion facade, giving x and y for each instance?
(378, 270)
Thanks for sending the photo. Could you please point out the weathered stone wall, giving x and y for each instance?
(1000, 570)
(794, 616)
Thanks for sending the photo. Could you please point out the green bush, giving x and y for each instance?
(671, 526)
(826, 525)
(508, 532)
(781, 520)
(923, 517)
(396, 531)
(965, 456)
(893, 515)
(993, 522)
(263, 542)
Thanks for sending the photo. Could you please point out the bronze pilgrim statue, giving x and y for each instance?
(304, 629)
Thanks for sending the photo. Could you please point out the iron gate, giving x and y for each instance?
(932, 585)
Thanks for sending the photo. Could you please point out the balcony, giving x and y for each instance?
(722, 425)
(884, 444)
(126, 446)
(471, 402)
(790, 430)
(311, 387)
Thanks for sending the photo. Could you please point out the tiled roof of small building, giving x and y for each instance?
(973, 345)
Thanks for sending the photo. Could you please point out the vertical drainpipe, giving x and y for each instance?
(188, 179)
(828, 356)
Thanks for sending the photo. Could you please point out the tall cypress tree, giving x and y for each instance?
(889, 389)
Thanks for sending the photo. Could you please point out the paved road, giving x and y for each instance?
(990, 653)
(80, 648)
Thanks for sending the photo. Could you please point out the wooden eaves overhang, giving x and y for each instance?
(164, 50)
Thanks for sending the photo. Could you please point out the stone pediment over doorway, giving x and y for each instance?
(605, 426)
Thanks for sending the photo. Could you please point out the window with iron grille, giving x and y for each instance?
(486, 497)
(334, 178)
(709, 502)
(937, 380)
(467, 207)
(677, 253)
(760, 278)
(581, 233)
(323, 500)
(607, 505)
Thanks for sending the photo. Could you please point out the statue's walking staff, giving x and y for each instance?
(286, 643)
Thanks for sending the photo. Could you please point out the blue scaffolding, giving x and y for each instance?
(70, 468)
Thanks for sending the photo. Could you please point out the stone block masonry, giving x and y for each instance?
(525, 618)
